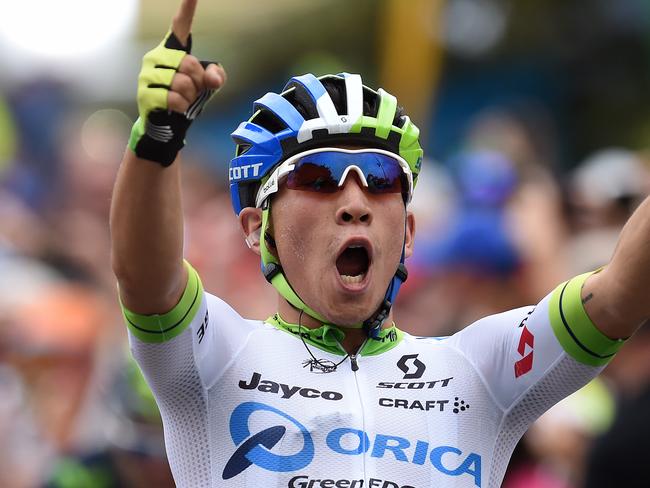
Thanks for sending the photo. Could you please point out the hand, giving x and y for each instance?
(192, 76)
(173, 88)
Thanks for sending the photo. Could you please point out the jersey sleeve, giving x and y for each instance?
(210, 330)
(537, 355)
(181, 353)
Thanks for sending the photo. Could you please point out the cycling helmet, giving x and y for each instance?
(315, 112)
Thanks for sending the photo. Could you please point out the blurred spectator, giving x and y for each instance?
(603, 192)
(48, 343)
(216, 248)
(620, 456)
(134, 454)
(485, 250)
(523, 132)
(38, 108)
(557, 444)
(491, 233)
(8, 136)
(25, 454)
(474, 256)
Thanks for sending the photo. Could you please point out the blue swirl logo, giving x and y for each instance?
(256, 449)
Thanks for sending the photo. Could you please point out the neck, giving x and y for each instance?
(354, 338)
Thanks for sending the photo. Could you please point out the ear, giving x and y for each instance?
(409, 238)
(250, 220)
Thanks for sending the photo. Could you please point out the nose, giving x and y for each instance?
(353, 202)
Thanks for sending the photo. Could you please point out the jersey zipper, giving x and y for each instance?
(353, 362)
(353, 358)
(354, 365)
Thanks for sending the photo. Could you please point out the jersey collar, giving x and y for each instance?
(328, 337)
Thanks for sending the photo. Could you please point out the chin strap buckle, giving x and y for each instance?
(402, 273)
(271, 270)
(373, 325)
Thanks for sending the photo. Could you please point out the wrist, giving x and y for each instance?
(137, 131)
(159, 143)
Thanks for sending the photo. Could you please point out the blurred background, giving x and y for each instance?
(535, 119)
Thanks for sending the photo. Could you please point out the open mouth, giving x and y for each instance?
(353, 264)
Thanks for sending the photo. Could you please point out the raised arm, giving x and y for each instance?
(146, 215)
(618, 298)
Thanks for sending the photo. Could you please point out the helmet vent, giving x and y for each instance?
(370, 103)
(302, 101)
(268, 120)
(336, 90)
(242, 148)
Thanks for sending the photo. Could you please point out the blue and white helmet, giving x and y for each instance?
(305, 116)
(309, 113)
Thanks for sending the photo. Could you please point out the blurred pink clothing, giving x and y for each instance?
(531, 476)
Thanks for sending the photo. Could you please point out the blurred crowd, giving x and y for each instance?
(504, 213)
(498, 226)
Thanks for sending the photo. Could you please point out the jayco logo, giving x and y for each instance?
(256, 449)
(286, 391)
(411, 366)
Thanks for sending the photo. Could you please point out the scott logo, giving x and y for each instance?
(406, 369)
(256, 449)
(244, 171)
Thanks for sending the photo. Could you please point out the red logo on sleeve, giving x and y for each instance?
(525, 364)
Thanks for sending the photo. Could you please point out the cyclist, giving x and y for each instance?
(328, 392)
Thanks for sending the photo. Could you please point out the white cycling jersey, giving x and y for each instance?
(244, 404)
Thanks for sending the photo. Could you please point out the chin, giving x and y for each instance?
(348, 322)
(353, 314)
(344, 308)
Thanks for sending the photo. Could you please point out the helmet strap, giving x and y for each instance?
(274, 274)
(374, 323)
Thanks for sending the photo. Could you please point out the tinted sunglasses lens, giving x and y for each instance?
(312, 176)
(384, 174)
(321, 172)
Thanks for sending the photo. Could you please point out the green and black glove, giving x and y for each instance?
(159, 133)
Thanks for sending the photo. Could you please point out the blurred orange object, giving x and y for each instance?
(67, 319)
(51, 341)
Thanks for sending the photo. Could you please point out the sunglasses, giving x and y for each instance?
(324, 170)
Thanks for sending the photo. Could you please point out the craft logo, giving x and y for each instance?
(458, 405)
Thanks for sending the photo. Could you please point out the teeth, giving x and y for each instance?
(353, 280)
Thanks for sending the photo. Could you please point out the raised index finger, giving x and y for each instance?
(182, 23)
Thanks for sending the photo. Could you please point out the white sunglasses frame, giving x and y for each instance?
(272, 185)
